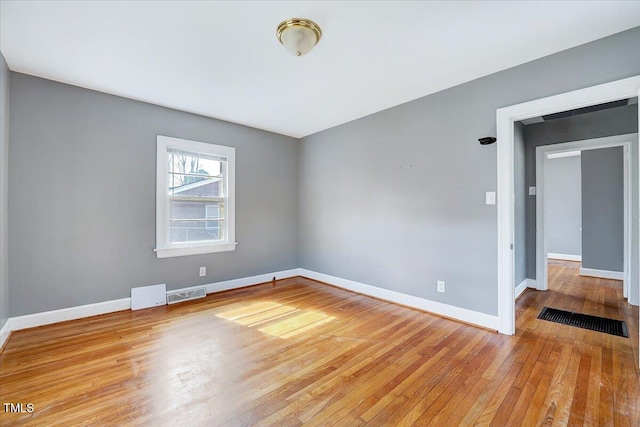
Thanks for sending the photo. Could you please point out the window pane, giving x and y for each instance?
(195, 210)
(203, 188)
(187, 168)
(195, 231)
(195, 221)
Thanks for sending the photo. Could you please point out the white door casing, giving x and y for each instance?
(505, 118)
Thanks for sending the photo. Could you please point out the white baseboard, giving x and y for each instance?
(521, 288)
(5, 332)
(55, 316)
(565, 257)
(526, 283)
(71, 313)
(603, 274)
(248, 281)
(462, 314)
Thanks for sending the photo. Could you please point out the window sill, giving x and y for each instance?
(194, 250)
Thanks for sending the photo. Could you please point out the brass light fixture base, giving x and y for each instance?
(299, 22)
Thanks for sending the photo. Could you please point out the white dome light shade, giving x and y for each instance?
(298, 35)
(298, 40)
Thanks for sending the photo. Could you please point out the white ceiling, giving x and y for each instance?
(222, 59)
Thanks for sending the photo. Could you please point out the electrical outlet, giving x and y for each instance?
(203, 271)
(441, 286)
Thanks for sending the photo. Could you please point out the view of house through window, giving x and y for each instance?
(195, 198)
(196, 193)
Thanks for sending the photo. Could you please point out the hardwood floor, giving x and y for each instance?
(302, 352)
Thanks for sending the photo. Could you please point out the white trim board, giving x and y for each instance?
(462, 314)
(564, 154)
(603, 274)
(505, 119)
(526, 283)
(564, 257)
(248, 281)
(521, 288)
(5, 332)
(78, 312)
(71, 313)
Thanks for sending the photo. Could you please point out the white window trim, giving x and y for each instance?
(164, 249)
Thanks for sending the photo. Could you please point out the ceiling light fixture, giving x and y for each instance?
(298, 35)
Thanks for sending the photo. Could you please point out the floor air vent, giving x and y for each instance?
(584, 321)
(179, 296)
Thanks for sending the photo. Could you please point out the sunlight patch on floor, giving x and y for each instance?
(293, 326)
(279, 320)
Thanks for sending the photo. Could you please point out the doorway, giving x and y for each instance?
(505, 118)
(542, 165)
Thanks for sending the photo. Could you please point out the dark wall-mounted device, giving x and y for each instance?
(487, 140)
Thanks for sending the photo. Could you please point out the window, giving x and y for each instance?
(194, 198)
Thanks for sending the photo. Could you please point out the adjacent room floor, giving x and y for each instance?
(301, 352)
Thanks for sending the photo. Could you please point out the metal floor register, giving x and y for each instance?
(585, 321)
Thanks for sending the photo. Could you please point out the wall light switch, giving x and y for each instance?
(490, 198)
(532, 191)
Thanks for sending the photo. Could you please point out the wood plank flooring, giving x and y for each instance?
(301, 352)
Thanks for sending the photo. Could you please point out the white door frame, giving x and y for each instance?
(542, 160)
(505, 118)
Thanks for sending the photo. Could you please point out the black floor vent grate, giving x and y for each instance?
(594, 323)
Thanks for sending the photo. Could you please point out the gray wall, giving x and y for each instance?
(564, 206)
(520, 232)
(603, 209)
(396, 199)
(82, 190)
(4, 163)
(598, 124)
